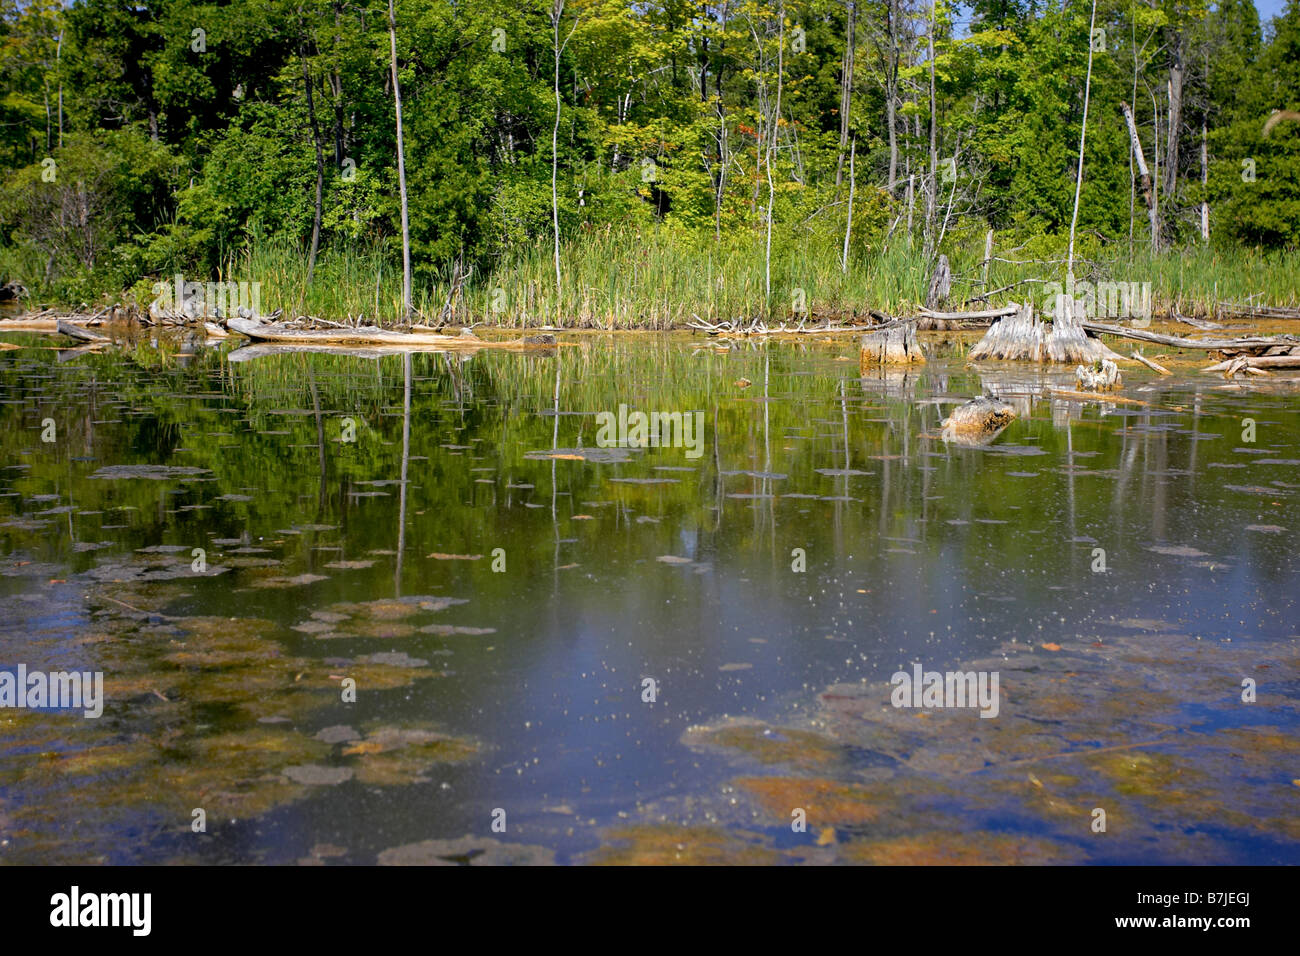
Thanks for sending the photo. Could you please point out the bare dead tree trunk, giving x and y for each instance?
(771, 142)
(1176, 75)
(1155, 177)
(846, 90)
(1205, 180)
(848, 222)
(401, 168)
(723, 146)
(891, 95)
(58, 68)
(1083, 134)
(988, 257)
(932, 189)
(557, 11)
(320, 158)
(336, 88)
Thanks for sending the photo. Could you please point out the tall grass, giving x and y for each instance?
(660, 277)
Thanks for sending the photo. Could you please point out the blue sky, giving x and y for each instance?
(1268, 9)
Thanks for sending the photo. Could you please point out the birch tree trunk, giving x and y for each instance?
(401, 168)
(1083, 134)
(1205, 180)
(557, 11)
(846, 91)
(848, 222)
(771, 142)
(932, 190)
(320, 160)
(891, 94)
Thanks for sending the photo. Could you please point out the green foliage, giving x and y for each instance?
(198, 151)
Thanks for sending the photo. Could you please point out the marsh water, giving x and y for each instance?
(430, 620)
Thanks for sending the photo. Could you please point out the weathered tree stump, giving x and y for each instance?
(1101, 376)
(894, 346)
(978, 421)
(940, 284)
(1023, 337)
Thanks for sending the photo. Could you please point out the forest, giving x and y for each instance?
(594, 162)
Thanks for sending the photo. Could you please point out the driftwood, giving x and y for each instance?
(963, 316)
(1196, 323)
(1154, 366)
(1210, 345)
(373, 336)
(978, 421)
(1247, 311)
(70, 329)
(1023, 337)
(892, 345)
(366, 335)
(29, 324)
(1255, 361)
(758, 327)
(247, 353)
(1074, 396)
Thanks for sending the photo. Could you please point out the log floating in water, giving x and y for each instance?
(374, 336)
(78, 332)
(247, 353)
(29, 324)
(978, 421)
(1154, 366)
(1196, 323)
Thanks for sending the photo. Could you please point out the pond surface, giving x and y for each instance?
(430, 620)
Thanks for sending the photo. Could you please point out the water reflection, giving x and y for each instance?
(501, 602)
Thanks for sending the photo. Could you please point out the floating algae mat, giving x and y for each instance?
(415, 610)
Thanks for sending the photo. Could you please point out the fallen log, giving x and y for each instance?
(1105, 397)
(247, 353)
(64, 327)
(1154, 366)
(1210, 345)
(368, 335)
(982, 314)
(1196, 323)
(376, 337)
(978, 421)
(29, 324)
(1246, 310)
(1255, 361)
(733, 328)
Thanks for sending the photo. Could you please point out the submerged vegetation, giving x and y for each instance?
(602, 163)
(373, 560)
